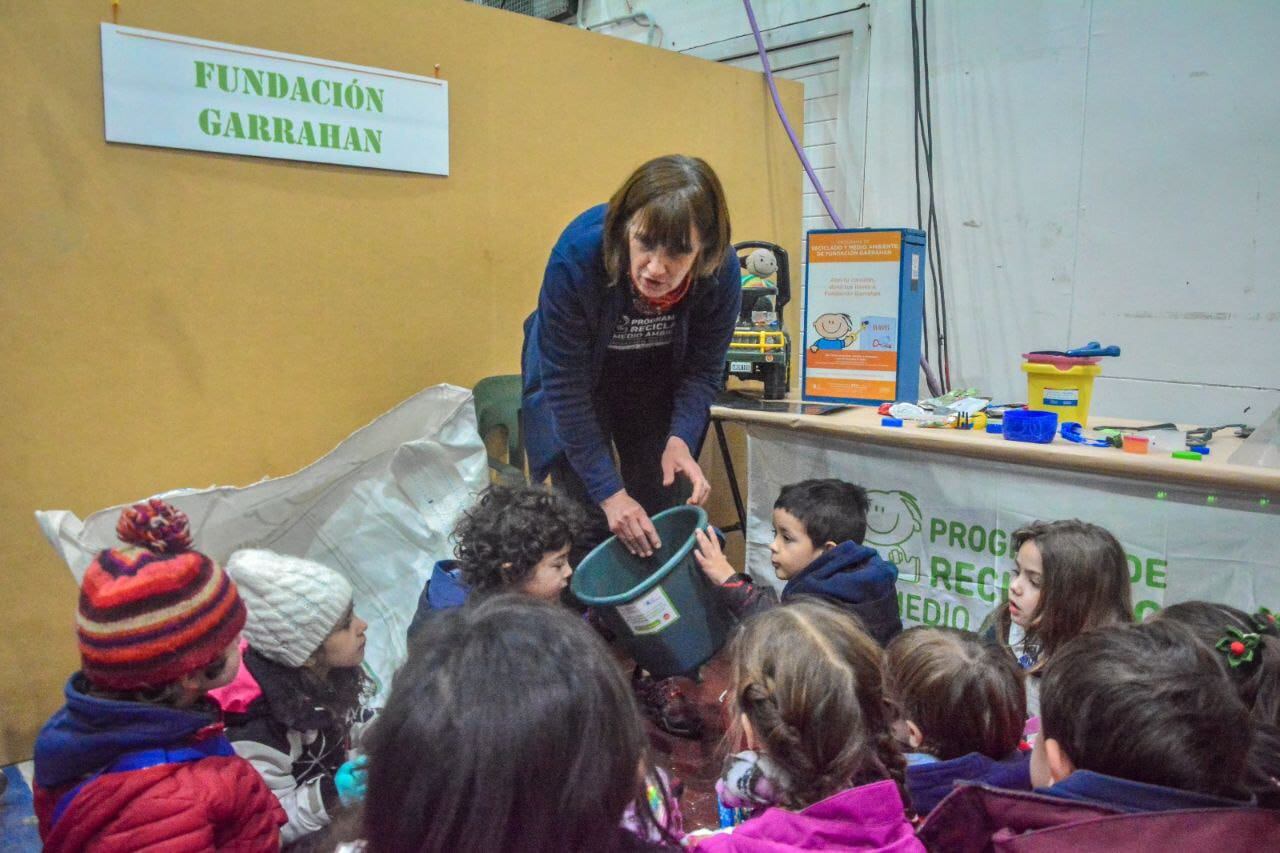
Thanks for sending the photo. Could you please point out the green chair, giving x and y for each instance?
(497, 401)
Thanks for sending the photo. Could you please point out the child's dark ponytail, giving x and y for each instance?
(1249, 646)
(1266, 702)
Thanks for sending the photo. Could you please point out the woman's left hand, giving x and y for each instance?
(677, 459)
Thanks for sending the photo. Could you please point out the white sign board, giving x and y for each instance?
(179, 92)
(946, 522)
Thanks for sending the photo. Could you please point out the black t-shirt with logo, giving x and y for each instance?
(637, 379)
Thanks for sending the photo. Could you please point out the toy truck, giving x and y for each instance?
(761, 350)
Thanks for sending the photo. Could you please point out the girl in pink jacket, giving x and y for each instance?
(822, 770)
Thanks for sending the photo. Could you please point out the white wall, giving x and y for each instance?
(1105, 171)
(686, 24)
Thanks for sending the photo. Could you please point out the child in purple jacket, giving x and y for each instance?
(822, 770)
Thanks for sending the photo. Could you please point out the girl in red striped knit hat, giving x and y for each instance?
(136, 758)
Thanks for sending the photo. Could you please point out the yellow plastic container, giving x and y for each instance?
(1065, 391)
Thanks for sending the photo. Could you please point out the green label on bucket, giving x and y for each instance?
(649, 614)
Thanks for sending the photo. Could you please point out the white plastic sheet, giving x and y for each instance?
(378, 508)
(945, 521)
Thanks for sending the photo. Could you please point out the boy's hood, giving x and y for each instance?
(446, 589)
(88, 733)
(1130, 796)
(849, 572)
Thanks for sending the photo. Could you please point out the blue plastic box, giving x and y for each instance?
(1029, 425)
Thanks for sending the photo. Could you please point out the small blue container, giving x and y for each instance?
(1029, 425)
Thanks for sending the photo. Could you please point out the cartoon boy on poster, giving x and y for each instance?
(835, 331)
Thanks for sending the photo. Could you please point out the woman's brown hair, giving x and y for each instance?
(1085, 583)
(664, 199)
(810, 682)
(965, 695)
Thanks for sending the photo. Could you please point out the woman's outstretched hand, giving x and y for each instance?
(677, 459)
(630, 523)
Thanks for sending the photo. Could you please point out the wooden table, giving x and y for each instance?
(961, 483)
(862, 424)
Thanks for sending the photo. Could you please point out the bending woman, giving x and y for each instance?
(626, 348)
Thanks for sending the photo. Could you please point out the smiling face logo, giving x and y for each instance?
(833, 326)
(892, 520)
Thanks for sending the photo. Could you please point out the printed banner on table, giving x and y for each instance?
(180, 92)
(946, 522)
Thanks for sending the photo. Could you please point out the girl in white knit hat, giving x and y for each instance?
(305, 651)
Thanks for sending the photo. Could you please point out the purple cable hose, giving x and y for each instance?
(935, 387)
(777, 105)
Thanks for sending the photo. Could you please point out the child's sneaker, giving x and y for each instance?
(665, 704)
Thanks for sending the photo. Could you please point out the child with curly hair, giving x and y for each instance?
(822, 769)
(514, 539)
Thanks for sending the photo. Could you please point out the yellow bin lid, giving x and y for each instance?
(1078, 370)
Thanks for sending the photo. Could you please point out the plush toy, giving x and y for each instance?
(760, 264)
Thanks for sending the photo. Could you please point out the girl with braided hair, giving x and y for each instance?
(822, 768)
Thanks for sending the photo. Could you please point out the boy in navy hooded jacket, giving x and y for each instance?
(1143, 744)
(817, 549)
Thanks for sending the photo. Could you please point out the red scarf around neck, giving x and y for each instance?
(663, 304)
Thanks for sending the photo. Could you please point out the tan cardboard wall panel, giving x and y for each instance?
(173, 318)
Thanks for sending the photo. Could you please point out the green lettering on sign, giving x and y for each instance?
(210, 121)
(1156, 573)
(940, 571)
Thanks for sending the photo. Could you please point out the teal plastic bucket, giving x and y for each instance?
(664, 611)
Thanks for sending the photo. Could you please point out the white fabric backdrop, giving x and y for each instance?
(378, 508)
